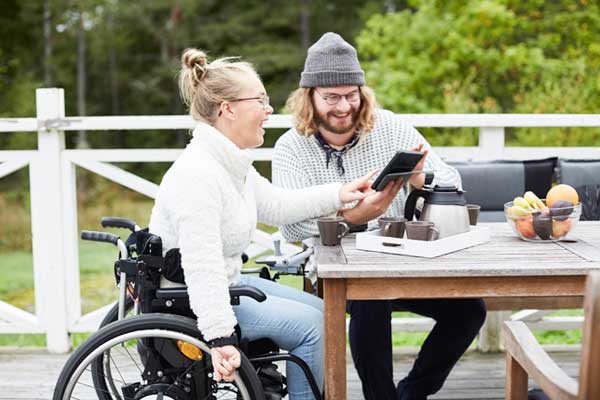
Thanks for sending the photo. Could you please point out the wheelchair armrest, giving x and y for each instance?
(235, 292)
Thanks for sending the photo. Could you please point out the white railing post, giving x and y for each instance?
(70, 241)
(47, 221)
(491, 142)
(490, 336)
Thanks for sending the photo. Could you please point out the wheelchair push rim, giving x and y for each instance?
(121, 340)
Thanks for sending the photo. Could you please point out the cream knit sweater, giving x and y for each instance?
(208, 204)
(300, 161)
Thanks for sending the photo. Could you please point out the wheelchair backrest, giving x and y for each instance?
(145, 243)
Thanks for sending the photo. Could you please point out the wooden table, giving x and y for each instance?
(508, 272)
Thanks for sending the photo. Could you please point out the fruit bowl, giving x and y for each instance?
(543, 224)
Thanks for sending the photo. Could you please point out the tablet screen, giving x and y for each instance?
(401, 165)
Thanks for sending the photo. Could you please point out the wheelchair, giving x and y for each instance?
(148, 345)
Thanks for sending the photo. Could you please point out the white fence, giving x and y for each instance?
(54, 207)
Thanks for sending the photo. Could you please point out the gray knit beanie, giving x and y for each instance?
(331, 61)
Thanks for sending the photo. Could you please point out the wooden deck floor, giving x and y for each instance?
(31, 374)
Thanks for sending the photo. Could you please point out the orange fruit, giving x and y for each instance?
(562, 192)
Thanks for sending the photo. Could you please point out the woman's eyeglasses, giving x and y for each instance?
(264, 100)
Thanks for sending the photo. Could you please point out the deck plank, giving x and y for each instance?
(31, 375)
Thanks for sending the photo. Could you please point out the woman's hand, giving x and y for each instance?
(357, 189)
(225, 361)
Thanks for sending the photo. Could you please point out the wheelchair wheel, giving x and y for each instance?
(153, 356)
(100, 365)
(113, 314)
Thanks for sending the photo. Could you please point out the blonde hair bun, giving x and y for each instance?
(204, 86)
(196, 61)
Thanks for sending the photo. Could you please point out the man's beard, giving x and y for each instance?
(322, 121)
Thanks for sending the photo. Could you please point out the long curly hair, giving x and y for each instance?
(300, 105)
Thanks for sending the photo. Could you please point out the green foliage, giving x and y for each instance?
(421, 56)
(492, 56)
(19, 65)
(484, 56)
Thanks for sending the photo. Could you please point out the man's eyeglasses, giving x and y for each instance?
(332, 99)
(264, 100)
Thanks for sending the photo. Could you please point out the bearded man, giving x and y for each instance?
(340, 134)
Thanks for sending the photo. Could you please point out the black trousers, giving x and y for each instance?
(457, 323)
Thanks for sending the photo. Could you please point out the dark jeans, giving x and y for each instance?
(457, 323)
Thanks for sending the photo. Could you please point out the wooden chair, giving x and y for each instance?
(524, 356)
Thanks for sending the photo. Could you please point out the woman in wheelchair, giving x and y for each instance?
(208, 205)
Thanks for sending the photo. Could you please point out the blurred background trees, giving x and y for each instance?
(126, 53)
(117, 57)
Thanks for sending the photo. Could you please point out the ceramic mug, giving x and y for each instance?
(421, 230)
(332, 230)
(392, 227)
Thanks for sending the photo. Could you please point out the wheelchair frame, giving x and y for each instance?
(138, 276)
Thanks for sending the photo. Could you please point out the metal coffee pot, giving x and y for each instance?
(445, 206)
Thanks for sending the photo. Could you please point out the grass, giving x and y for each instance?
(17, 286)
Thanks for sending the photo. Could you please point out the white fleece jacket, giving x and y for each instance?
(208, 204)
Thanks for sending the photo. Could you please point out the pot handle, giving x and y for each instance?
(411, 203)
(434, 233)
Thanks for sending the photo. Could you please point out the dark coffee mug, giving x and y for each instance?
(332, 230)
(393, 227)
(473, 213)
(421, 230)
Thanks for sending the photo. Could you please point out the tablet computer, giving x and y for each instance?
(401, 165)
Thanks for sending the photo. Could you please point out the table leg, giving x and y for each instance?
(335, 338)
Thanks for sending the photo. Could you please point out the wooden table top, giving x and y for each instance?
(504, 255)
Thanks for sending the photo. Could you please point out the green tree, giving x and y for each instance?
(486, 57)
(132, 51)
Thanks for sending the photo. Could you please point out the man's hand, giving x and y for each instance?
(375, 204)
(418, 180)
(225, 361)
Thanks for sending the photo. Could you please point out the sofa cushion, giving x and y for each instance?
(493, 183)
(539, 175)
(578, 172)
